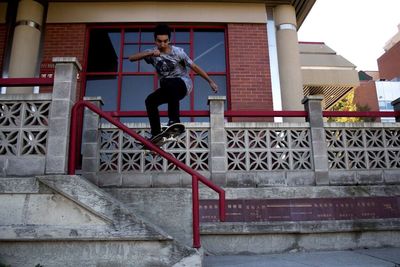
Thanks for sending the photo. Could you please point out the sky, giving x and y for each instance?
(355, 29)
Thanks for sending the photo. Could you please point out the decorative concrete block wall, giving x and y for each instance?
(255, 154)
(34, 128)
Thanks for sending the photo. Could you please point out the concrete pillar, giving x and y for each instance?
(291, 80)
(312, 104)
(396, 107)
(91, 141)
(64, 95)
(217, 141)
(26, 44)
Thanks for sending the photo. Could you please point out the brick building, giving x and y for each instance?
(377, 93)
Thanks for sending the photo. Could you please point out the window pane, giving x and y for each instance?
(130, 50)
(135, 89)
(147, 36)
(209, 50)
(202, 90)
(104, 51)
(185, 103)
(106, 87)
(144, 67)
(181, 36)
(130, 66)
(127, 65)
(186, 48)
(131, 36)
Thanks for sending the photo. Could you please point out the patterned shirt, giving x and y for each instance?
(172, 65)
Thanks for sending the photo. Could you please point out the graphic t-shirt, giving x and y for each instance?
(172, 65)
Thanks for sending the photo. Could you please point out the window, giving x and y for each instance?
(124, 85)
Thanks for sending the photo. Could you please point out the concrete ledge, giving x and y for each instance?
(25, 97)
(305, 192)
(19, 185)
(23, 166)
(300, 227)
(73, 233)
(97, 253)
(277, 243)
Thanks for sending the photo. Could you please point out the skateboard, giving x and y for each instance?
(169, 134)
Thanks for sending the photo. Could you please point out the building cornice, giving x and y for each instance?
(302, 7)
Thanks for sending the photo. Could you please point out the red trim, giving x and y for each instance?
(191, 73)
(265, 113)
(162, 113)
(196, 177)
(120, 63)
(26, 81)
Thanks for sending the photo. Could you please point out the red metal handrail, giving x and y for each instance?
(196, 177)
(372, 114)
(26, 81)
(227, 113)
(263, 113)
(266, 113)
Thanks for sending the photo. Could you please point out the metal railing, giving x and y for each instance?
(196, 177)
(26, 81)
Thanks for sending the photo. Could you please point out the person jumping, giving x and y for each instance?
(171, 63)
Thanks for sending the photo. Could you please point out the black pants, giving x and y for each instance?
(171, 91)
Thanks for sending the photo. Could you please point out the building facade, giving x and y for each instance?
(293, 185)
(239, 44)
(378, 93)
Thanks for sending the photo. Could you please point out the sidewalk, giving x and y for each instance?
(377, 257)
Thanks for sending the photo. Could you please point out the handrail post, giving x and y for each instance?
(63, 98)
(217, 140)
(196, 212)
(222, 206)
(312, 104)
(90, 140)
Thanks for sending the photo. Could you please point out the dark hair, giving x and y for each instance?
(162, 29)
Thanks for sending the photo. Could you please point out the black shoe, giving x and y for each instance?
(153, 136)
(173, 122)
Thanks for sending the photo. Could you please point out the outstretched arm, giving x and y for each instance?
(144, 54)
(205, 76)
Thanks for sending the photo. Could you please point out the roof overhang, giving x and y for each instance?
(326, 73)
(302, 7)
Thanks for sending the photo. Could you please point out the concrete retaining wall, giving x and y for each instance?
(66, 221)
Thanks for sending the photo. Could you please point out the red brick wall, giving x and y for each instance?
(365, 95)
(389, 63)
(64, 40)
(3, 35)
(250, 80)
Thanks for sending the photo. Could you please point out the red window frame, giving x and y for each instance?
(141, 113)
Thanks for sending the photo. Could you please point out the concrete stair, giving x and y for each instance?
(67, 221)
(173, 207)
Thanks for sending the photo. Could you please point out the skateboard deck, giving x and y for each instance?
(170, 134)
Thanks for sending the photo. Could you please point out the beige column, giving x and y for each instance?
(288, 58)
(26, 43)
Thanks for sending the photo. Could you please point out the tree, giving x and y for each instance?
(345, 104)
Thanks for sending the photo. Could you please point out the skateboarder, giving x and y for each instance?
(171, 64)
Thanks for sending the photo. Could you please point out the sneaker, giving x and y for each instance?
(172, 122)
